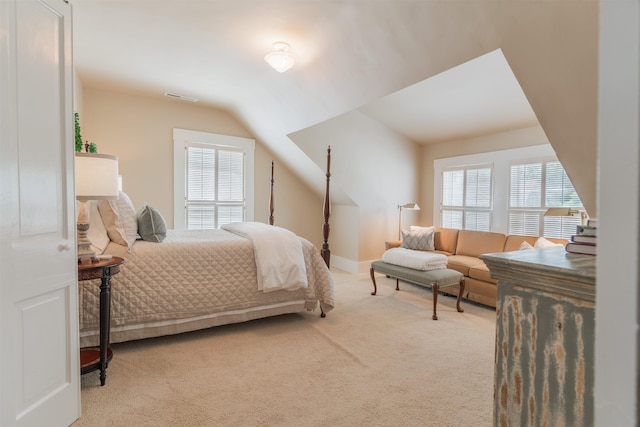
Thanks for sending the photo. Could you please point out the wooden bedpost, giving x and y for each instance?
(325, 252)
(271, 197)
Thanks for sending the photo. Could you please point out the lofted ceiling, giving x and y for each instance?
(352, 54)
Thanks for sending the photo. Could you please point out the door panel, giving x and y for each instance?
(39, 353)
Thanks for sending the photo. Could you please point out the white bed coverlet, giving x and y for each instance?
(194, 280)
(418, 260)
(278, 253)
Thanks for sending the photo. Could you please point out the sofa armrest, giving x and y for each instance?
(392, 244)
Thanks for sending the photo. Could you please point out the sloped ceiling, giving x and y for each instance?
(375, 56)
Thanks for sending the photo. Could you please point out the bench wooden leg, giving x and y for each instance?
(458, 307)
(397, 284)
(373, 279)
(435, 287)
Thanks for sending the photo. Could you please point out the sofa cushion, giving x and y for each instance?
(446, 239)
(475, 243)
(462, 263)
(481, 272)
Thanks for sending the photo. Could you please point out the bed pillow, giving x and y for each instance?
(151, 225)
(544, 243)
(418, 238)
(120, 220)
(97, 233)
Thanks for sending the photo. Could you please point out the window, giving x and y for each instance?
(213, 177)
(535, 187)
(466, 198)
(505, 191)
(215, 186)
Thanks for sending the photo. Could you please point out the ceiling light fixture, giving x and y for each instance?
(280, 59)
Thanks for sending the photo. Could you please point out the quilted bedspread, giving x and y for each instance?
(194, 280)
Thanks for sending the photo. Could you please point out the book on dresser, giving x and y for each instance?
(581, 248)
(585, 239)
(579, 238)
(586, 230)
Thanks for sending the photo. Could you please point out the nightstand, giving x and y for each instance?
(94, 358)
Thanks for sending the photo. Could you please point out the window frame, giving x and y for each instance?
(181, 139)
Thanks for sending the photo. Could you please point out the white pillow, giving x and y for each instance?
(525, 246)
(544, 243)
(120, 220)
(97, 232)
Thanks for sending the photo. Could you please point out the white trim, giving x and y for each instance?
(180, 139)
(350, 266)
(501, 161)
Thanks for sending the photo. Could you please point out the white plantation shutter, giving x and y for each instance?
(525, 223)
(476, 220)
(478, 188)
(559, 190)
(453, 188)
(214, 186)
(526, 185)
(535, 187)
(201, 174)
(452, 219)
(231, 175)
(466, 198)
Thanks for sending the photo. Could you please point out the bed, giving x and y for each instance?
(193, 280)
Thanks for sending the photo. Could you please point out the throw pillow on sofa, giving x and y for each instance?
(525, 246)
(544, 243)
(418, 238)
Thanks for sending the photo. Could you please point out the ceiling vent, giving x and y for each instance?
(181, 97)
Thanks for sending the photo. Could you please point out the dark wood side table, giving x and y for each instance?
(94, 358)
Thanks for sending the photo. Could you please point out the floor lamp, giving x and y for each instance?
(410, 206)
(96, 179)
(567, 212)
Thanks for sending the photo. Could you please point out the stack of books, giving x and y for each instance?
(584, 241)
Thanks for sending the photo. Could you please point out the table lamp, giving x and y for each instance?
(96, 179)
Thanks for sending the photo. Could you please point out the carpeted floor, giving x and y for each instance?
(373, 361)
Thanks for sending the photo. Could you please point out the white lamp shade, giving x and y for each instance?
(96, 176)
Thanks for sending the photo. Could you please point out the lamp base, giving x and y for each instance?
(85, 254)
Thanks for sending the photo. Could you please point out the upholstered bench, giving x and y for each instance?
(435, 279)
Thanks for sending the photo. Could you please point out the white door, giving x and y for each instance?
(39, 366)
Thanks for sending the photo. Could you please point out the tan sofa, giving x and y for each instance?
(463, 248)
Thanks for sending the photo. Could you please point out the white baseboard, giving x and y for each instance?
(350, 266)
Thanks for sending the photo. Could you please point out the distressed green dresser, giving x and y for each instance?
(545, 314)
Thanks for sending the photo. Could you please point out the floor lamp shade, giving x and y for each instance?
(96, 179)
(410, 206)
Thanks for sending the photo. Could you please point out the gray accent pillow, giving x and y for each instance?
(151, 225)
(418, 238)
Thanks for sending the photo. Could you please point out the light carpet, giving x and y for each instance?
(373, 361)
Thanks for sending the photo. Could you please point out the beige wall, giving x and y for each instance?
(139, 130)
(377, 169)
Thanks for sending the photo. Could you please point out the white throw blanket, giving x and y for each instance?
(418, 260)
(278, 252)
